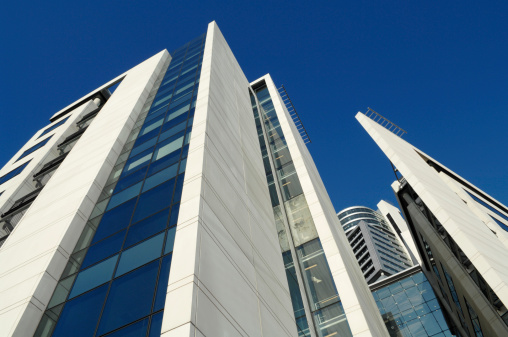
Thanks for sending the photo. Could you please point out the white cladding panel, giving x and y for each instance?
(227, 276)
(36, 252)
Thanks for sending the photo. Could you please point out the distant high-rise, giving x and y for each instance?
(460, 232)
(376, 243)
(183, 203)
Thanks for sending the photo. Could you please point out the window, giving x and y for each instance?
(34, 148)
(13, 173)
(52, 127)
(474, 320)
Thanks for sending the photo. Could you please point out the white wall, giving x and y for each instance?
(227, 276)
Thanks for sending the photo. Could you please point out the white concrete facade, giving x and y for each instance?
(227, 274)
(482, 241)
(36, 252)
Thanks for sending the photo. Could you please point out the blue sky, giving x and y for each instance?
(437, 69)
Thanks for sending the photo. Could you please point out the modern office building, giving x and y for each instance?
(182, 203)
(376, 244)
(460, 232)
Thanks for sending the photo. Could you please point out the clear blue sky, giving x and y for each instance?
(439, 70)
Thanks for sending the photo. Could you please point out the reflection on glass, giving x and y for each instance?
(331, 321)
(316, 274)
(300, 220)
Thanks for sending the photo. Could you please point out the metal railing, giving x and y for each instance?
(384, 122)
(294, 115)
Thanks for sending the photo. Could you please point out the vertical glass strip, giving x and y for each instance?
(320, 292)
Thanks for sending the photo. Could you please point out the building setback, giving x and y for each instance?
(460, 233)
(182, 203)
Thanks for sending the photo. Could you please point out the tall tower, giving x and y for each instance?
(149, 210)
(460, 232)
(376, 243)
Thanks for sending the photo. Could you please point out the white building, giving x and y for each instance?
(460, 232)
(376, 240)
(151, 210)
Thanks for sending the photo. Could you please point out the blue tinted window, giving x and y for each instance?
(174, 215)
(170, 240)
(144, 146)
(156, 325)
(154, 200)
(160, 177)
(148, 136)
(178, 189)
(162, 285)
(137, 329)
(114, 220)
(53, 127)
(130, 179)
(125, 195)
(164, 162)
(34, 148)
(140, 254)
(147, 228)
(73, 317)
(137, 162)
(103, 249)
(175, 121)
(130, 298)
(13, 173)
(94, 276)
(173, 131)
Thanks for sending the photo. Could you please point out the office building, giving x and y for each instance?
(182, 203)
(375, 242)
(459, 230)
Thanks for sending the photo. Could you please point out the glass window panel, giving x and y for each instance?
(174, 122)
(316, 274)
(148, 136)
(170, 240)
(143, 146)
(331, 321)
(179, 188)
(179, 110)
(300, 220)
(130, 179)
(141, 159)
(103, 249)
(164, 149)
(125, 195)
(154, 200)
(174, 215)
(62, 290)
(164, 162)
(72, 320)
(114, 220)
(160, 177)
(151, 126)
(140, 254)
(137, 329)
(147, 228)
(173, 131)
(94, 276)
(183, 163)
(156, 325)
(162, 285)
(294, 288)
(130, 298)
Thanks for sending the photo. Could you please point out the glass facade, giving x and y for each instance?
(410, 308)
(298, 237)
(116, 279)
